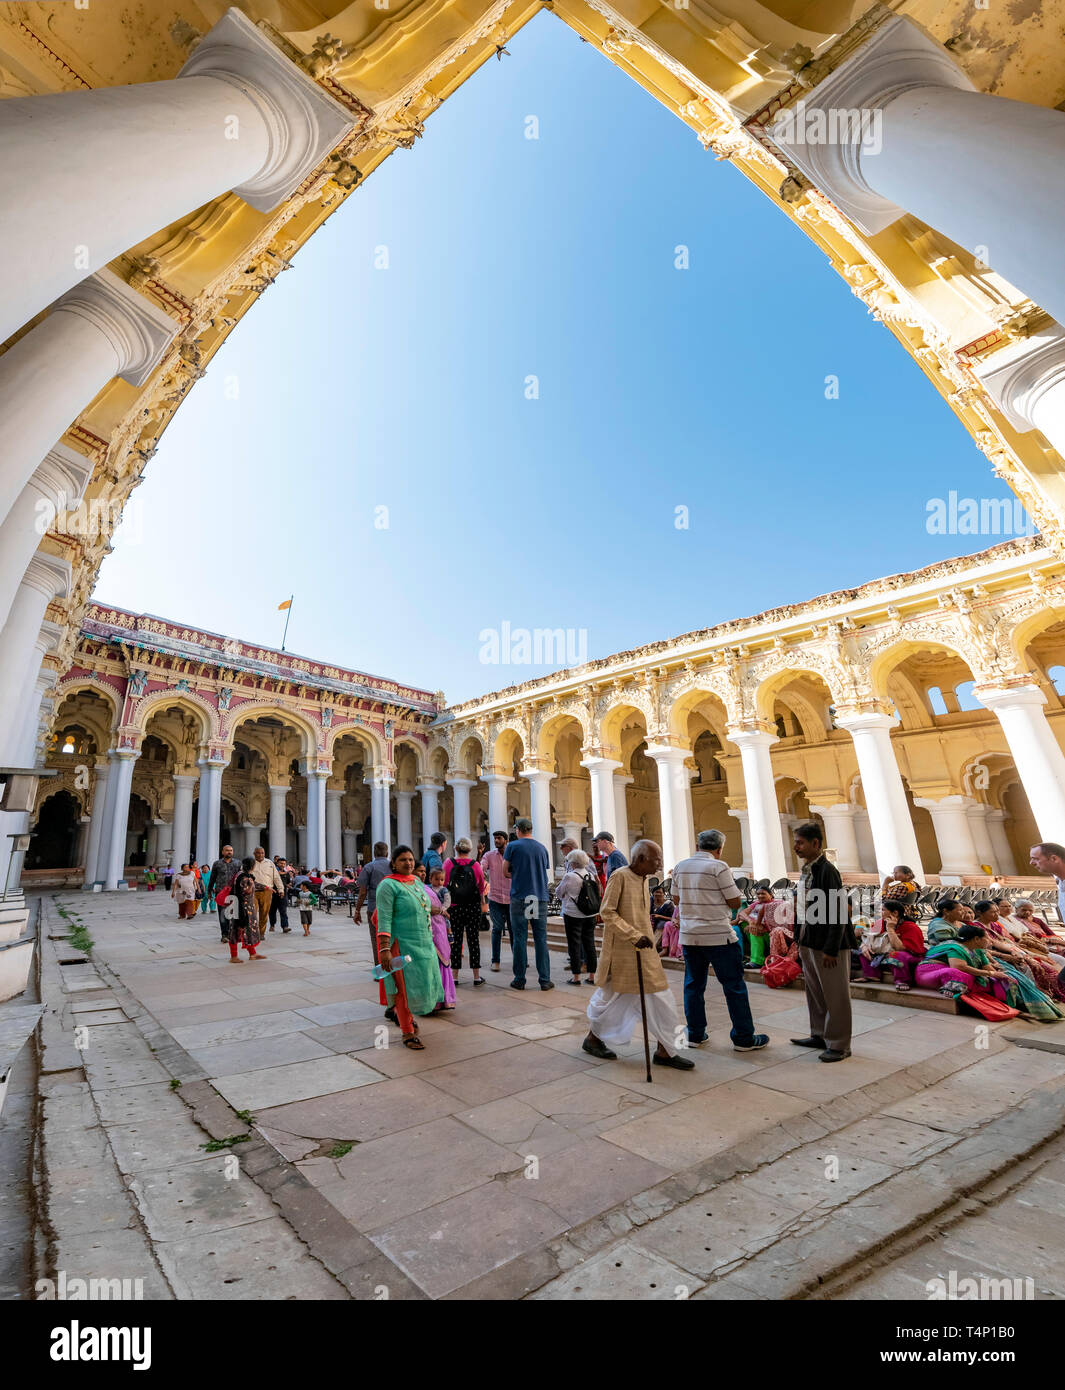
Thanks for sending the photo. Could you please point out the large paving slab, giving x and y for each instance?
(251, 1090)
(691, 1130)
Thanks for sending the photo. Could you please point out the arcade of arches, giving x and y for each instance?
(918, 718)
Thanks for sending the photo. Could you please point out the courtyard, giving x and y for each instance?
(503, 1162)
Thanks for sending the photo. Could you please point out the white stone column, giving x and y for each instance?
(166, 842)
(1005, 861)
(38, 702)
(316, 819)
(96, 823)
(151, 850)
(181, 845)
(85, 175)
(380, 809)
(767, 848)
(498, 818)
(100, 329)
(209, 811)
(351, 848)
(985, 850)
(122, 776)
(203, 817)
(41, 706)
(885, 795)
(334, 848)
(540, 780)
(574, 830)
(460, 795)
(1037, 754)
(57, 485)
(276, 821)
(842, 834)
(954, 837)
(746, 858)
(430, 795)
(301, 843)
(1026, 379)
(81, 842)
(247, 840)
(621, 815)
(864, 835)
(604, 802)
(984, 170)
(787, 834)
(674, 801)
(404, 817)
(22, 647)
(103, 857)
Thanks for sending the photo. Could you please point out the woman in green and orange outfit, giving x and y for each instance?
(404, 928)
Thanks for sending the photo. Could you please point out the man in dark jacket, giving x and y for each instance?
(825, 938)
(223, 874)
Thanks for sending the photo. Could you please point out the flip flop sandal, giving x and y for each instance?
(414, 1043)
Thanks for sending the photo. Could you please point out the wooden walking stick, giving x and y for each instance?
(643, 1014)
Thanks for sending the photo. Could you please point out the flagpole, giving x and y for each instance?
(288, 614)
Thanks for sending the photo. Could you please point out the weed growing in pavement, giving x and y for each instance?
(213, 1146)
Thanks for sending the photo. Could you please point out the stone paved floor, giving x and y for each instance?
(1015, 1236)
(503, 1140)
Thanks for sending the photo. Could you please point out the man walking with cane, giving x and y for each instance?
(616, 1006)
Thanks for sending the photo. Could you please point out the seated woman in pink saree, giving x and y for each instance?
(666, 924)
(779, 916)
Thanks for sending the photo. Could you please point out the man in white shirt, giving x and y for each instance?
(706, 896)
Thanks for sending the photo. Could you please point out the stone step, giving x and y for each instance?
(16, 957)
(13, 925)
(17, 1022)
(930, 1000)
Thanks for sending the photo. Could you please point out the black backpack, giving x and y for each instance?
(589, 899)
(462, 885)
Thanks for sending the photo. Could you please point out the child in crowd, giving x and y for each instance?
(439, 902)
(307, 900)
(150, 879)
(436, 883)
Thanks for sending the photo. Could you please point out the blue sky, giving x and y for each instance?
(360, 388)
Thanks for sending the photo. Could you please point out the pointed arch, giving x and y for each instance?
(188, 700)
(309, 733)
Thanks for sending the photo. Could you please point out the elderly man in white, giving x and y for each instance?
(614, 1009)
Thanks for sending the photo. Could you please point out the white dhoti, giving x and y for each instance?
(614, 1017)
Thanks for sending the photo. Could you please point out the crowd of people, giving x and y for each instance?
(425, 918)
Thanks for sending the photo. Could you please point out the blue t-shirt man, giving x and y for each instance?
(529, 865)
(433, 856)
(614, 858)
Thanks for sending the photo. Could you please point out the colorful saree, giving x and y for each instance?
(404, 927)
